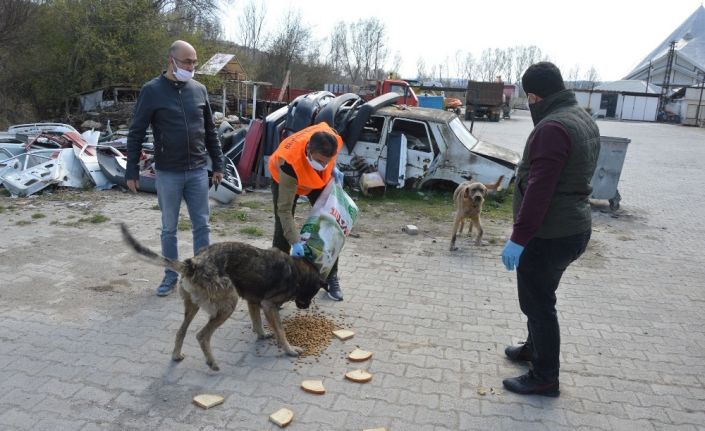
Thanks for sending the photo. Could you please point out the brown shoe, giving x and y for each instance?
(518, 353)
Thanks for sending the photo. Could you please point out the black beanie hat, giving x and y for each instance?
(542, 79)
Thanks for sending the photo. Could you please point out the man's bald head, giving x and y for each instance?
(181, 47)
(184, 54)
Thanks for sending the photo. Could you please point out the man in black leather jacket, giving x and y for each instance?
(184, 135)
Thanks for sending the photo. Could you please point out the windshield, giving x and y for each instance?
(463, 133)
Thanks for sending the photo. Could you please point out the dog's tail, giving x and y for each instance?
(152, 257)
(496, 186)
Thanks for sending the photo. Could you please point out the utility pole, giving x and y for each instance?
(701, 74)
(666, 81)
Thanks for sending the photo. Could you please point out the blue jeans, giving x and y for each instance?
(541, 267)
(172, 187)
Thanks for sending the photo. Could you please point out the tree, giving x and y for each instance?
(396, 64)
(592, 76)
(508, 64)
(14, 14)
(288, 46)
(251, 23)
(368, 46)
(572, 77)
(490, 65)
(359, 50)
(190, 16)
(339, 55)
(421, 73)
(81, 45)
(470, 67)
(459, 66)
(525, 56)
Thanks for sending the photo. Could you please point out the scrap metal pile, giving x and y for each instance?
(385, 145)
(34, 157)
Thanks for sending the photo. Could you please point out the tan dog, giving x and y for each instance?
(222, 273)
(468, 198)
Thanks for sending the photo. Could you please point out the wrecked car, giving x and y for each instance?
(408, 146)
(434, 147)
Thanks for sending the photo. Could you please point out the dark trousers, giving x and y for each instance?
(540, 269)
(280, 240)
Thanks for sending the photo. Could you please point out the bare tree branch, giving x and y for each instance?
(251, 23)
(289, 45)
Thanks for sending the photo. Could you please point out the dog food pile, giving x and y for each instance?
(310, 331)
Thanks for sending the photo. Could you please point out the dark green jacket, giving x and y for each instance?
(569, 211)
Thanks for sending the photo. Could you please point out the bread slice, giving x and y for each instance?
(313, 387)
(282, 417)
(207, 401)
(360, 376)
(343, 334)
(359, 355)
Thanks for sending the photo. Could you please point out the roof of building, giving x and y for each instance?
(689, 38)
(629, 86)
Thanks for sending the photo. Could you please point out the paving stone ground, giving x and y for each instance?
(85, 344)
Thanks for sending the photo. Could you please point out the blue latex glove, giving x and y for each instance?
(338, 176)
(297, 250)
(511, 254)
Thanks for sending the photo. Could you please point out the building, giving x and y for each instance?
(688, 56)
(621, 100)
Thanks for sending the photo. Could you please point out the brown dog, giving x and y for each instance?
(468, 198)
(221, 273)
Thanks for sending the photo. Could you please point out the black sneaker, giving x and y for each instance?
(334, 291)
(531, 384)
(518, 353)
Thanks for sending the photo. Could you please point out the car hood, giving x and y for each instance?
(497, 152)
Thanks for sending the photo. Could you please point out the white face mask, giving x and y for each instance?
(315, 164)
(182, 75)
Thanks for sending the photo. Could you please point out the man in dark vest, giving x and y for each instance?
(552, 218)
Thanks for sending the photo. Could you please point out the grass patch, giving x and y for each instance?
(436, 205)
(95, 219)
(2, 209)
(23, 222)
(4, 192)
(255, 205)
(498, 205)
(155, 207)
(38, 215)
(229, 216)
(64, 195)
(184, 224)
(251, 230)
(220, 232)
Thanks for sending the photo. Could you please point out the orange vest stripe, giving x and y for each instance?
(292, 150)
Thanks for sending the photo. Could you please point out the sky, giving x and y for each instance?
(613, 36)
